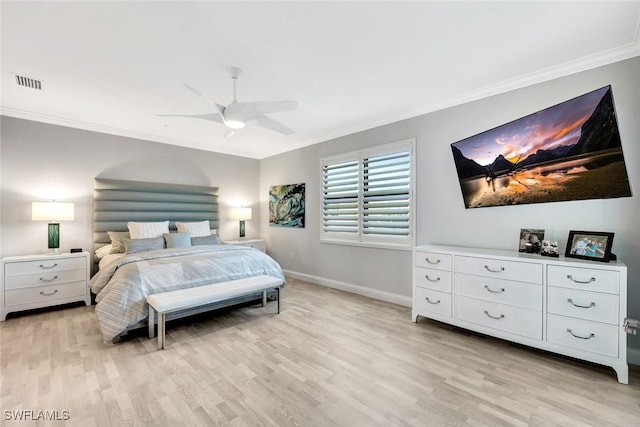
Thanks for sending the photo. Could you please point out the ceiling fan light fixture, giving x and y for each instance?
(235, 124)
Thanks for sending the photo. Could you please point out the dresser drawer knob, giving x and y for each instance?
(569, 300)
(494, 317)
(492, 291)
(48, 280)
(49, 266)
(432, 302)
(486, 267)
(432, 262)
(55, 291)
(593, 279)
(578, 336)
(437, 279)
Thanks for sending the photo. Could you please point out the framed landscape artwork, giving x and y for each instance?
(286, 205)
(571, 151)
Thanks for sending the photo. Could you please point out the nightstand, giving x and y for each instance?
(35, 281)
(253, 243)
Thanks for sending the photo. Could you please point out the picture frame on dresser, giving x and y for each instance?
(589, 245)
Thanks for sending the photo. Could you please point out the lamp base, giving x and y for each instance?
(54, 237)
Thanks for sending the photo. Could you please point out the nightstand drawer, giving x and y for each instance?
(44, 294)
(45, 265)
(44, 278)
(256, 245)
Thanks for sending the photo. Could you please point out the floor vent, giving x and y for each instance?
(28, 82)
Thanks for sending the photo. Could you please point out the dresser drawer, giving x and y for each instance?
(44, 294)
(584, 305)
(45, 265)
(433, 260)
(590, 279)
(44, 278)
(438, 280)
(501, 269)
(583, 335)
(526, 295)
(520, 321)
(428, 300)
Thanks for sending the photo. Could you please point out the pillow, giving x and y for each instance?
(133, 246)
(145, 230)
(177, 240)
(195, 229)
(103, 251)
(205, 240)
(117, 240)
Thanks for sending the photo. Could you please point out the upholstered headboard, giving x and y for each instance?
(115, 202)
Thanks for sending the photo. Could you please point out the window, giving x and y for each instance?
(367, 196)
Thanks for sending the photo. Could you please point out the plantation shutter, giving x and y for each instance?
(340, 187)
(387, 194)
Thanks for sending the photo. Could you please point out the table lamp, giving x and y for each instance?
(52, 212)
(242, 215)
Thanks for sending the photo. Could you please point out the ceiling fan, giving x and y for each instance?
(237, 115)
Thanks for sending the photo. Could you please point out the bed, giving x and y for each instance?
(123, 280)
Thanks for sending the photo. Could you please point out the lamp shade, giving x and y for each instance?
(51, 211)
(241, 214)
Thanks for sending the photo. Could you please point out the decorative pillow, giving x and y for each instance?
(141, 245)
(104, 251)
(205, 240)
(177, 240)
(117, 240)
(145, 230)
(195, 229)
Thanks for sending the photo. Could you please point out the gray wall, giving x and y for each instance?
(441, 216)
(41, 162)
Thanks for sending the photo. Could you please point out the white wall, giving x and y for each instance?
(441, 215)
(42, 162)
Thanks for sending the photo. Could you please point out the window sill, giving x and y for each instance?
(376, 245)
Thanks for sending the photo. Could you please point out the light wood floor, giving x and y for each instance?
(330, 358)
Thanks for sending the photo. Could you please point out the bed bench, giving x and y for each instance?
(182, 299)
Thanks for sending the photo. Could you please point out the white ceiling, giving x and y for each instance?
(112, 67)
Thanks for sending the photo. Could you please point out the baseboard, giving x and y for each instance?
(633, 356)
(354, 289)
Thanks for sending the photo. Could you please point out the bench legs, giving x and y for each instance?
(161, 328)
(152, 321)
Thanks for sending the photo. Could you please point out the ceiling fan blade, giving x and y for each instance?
(269, 123)
(197, 92)
(247, 110)
(214, 117)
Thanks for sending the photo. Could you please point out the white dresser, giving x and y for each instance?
(34, 281)
(571, 307)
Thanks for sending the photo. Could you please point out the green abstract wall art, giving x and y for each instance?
(286, 205)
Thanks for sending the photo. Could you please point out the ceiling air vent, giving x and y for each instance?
(28, 82)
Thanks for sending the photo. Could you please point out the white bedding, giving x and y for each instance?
(122, 287)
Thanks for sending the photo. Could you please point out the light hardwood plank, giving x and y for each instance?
(329, 359)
